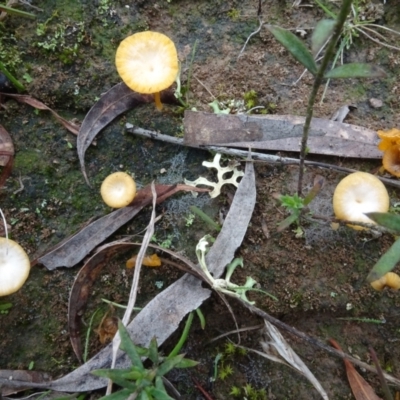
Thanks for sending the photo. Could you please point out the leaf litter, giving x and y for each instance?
(162, 315)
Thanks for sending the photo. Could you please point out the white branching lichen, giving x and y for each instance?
(221, 171)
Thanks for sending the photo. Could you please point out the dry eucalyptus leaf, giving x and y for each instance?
(162, 315)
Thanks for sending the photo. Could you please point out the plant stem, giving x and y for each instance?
(341, 19)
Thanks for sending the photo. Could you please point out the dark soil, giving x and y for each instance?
(318, 277)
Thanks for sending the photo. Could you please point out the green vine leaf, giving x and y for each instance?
(321, 34)
(355, 70)
(387, 220)
(386, 263)
(295, 47)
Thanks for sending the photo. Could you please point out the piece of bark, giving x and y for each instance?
(280, 133)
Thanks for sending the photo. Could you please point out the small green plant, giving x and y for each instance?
(326, 31)
(235, 391)
(234, 14)
(360, 21)
(250, 99)
(137, 381)
(296, 205)
(225, 371)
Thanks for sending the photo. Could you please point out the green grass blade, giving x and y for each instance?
(295, 46)
(387, 220)
(386, 263)
(19, 13)
(17, 84)
(355, 70)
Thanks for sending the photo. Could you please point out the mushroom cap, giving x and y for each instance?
(389, 138)
(14, 266)
(390, 279)
(118, 190)
(391, 160)
(147, 62)
(359, 193)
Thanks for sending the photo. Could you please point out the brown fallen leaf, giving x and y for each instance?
(70, 252)
(162, 315)
(360, 388)
(6, 147)
(280, 133)
(116, 101)
(31, 101)
(86, 277)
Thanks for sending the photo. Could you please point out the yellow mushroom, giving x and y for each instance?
(390, 280)
(148, 261)
(147, 62)
(118, 190)
(14, 266)
(390, 145)
(357, 194)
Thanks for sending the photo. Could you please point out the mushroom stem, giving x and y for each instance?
(157, 100)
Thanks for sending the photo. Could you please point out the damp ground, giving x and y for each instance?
(65, 59)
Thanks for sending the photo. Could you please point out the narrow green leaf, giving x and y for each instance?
(153, 351)
(115, 376)
(160, 394)
(387, 220)
(355, 70)
(169, 364)
(128, 346)
(318, 184)
(386, 263)
(121, 395)
(321, 34)
(19, 13)
(186, 363)
(288, 221)
(295, 47)
(17, 84)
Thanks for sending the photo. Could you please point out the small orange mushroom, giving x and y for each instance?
(390, 145)
(357, 194)
(148, 261)
(389, 138)
(147, 62)
(390, 279)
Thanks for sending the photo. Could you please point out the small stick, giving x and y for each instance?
(385, 387)
(260, 157)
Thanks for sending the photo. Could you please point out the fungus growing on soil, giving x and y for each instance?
(357, 194)
(390, 280)
(147, 62)
(390, 145)
(14, 266)
(148, 261)
(118, 190)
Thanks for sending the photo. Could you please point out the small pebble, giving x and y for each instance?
(375, 103)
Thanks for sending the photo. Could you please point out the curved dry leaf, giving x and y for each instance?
(31, 101)
(162, 315)
(360, 388)
(6, 147)
(73, 250)
(113, 103)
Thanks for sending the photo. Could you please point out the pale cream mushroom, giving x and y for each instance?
(118, 190)
(14, 266)
(147, 62)
(357, 194)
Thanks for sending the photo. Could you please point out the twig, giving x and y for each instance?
(201, 389)
(259, 157)
(261, 22)
(315, 342)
